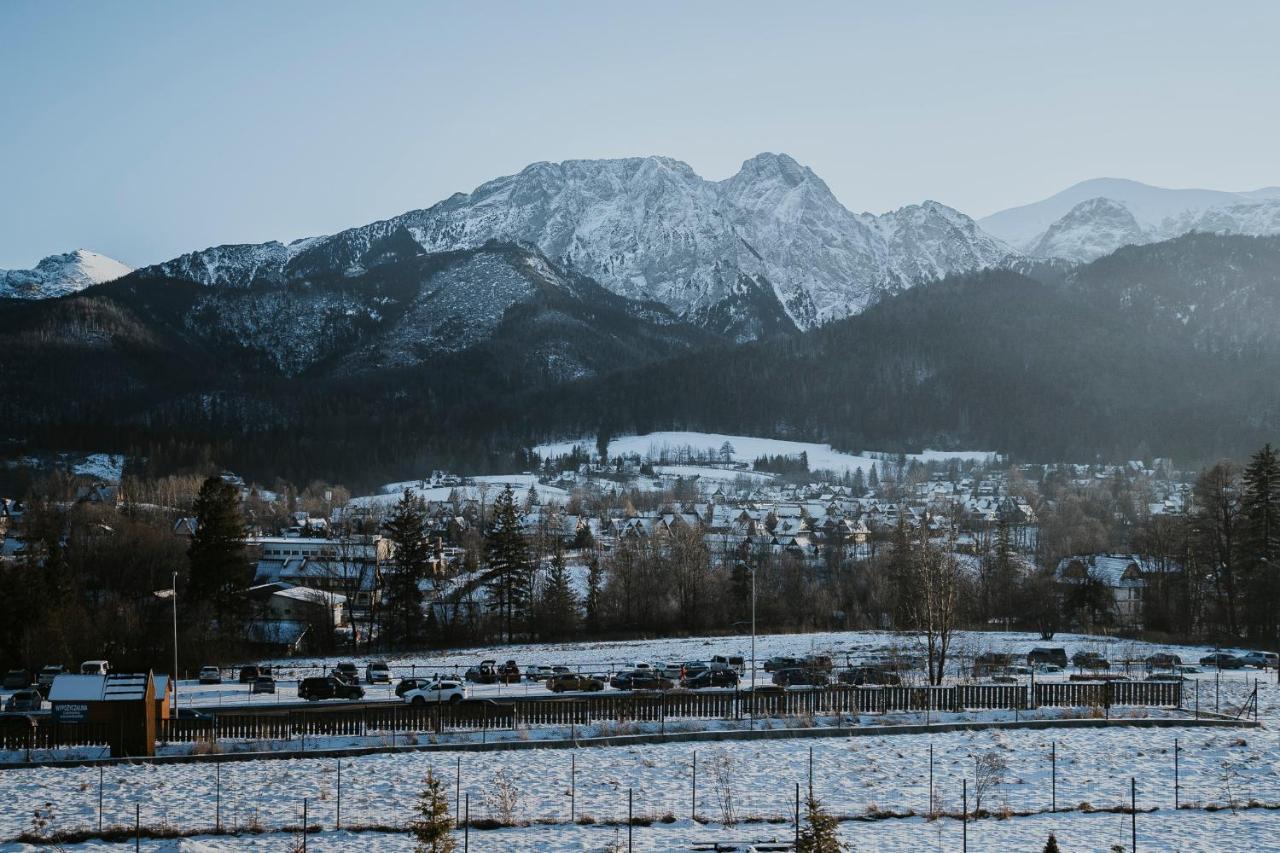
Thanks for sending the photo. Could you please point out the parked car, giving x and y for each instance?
(638, 679)
(798, 677)
(538, 673)
(774, 664)
(95, 667)
(735, 662)
(407, 684)
(669, 670)
(249, 674)
(210, 675)
(25, 700)
(819, 662)
(328, 687)
(44, 678)
(1163, 660)
(712, 678)
(1054, 655)
(1261, 660)
(348, 672)
(573, 681)
(865, 675)
(16, 679)
(691, 668)
(484, 673)
(509, 673)
(263, 684)
(1222, 660)
(989, 662)
(1090, 660)
(377, 672)
(437, 691)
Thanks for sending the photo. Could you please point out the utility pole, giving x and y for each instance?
(752, 686)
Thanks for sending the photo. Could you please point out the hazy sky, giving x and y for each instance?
(144, 130)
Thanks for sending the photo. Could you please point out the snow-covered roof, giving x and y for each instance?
(69, 687)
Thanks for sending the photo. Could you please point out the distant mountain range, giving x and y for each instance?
(1094, 218)
(633, 294)
(59, 275)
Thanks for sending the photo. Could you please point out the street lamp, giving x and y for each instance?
(175, 643)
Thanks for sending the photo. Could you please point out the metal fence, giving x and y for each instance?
(474, 715)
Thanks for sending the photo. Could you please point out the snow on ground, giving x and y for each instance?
(491, 484)
(853, 776)
(101, 466)
(745, 449)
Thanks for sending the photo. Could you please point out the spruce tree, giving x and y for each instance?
(433, 828)
(1260, 541)
(220, 570)
(558, 608)
(820, 833)
(595, 581)
(508, 575)
(1051, 846)
(407, 530)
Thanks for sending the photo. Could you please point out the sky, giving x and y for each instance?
(143, 130)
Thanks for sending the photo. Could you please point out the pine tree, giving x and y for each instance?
(1051, 846)
(595, 581)
(873, 478)
(820, 833)
(433, 829)
(1260, 541)
(859, 486)
(508, 578)
(558, 607)
(407, 530)
(220, 570)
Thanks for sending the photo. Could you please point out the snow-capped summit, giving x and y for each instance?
(58, 275)
(770, 245)
(1095, 217)
(1090, 230)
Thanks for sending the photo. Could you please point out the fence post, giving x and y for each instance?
(457, 794)
(100, 771)
(1053, 758)
(797, 815)
(930, 780)
(466, 825)
(338, 820)
(1175, 773)
(217, 795)
(693, 806)
(137, 826)
(304, 825)
(964, 815)
(630, 820)
(1133, 812)
(573, 786)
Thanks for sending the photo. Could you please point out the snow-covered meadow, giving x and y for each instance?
(745, 449)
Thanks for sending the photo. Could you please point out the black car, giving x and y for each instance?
(797, 677)
(711, 678)
(640, 680)
(1163, 660)
(1090, 660)
(328, 687)
(44, 678)
(1222, 660)
(25, 700)
(774, 664)
(17, 679)
(1053, 655)
(863, 675)
(249, 674)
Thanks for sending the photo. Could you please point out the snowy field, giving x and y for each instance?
(745, 449)
(855, 776)
(492, 483)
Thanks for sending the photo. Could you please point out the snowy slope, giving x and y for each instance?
(1075, 225)
(58, 275)
(766, 248)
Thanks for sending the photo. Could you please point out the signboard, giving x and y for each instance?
(70, 712)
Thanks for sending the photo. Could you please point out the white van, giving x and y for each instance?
(94, 667)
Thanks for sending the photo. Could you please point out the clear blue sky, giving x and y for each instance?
(144, 130)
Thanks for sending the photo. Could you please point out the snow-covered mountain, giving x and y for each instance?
(1094, 218)
(58, 275)
(766, 247)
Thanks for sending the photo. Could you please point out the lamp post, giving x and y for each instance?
(175, 643)
(753, 647)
